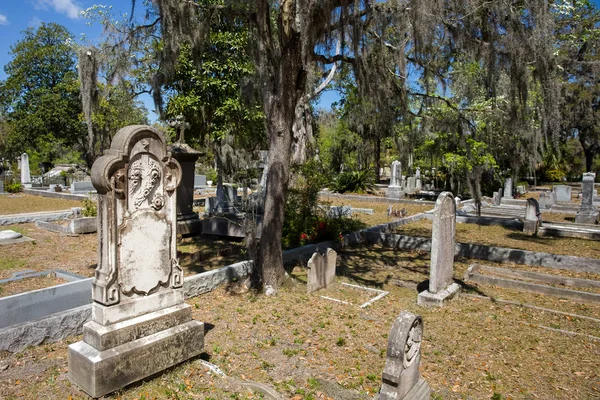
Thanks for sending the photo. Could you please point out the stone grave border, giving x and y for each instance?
(43, 192)
(39, 216)
(380, 294)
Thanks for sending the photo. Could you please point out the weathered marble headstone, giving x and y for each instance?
(587, 214)
(521, 190)
(321, 270)
(508, 188)
(533, 218)
(9, 235)
(1, 186)
(441, 283)
(418, 173)
(140, 324)
(25, 171)
(400, 378)
(199, 181)
(395, 189)
(498, 197)
(418, 185)
(563, 192)
(82, 187)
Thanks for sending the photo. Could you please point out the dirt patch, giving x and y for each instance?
(28, 284)
(27, 203)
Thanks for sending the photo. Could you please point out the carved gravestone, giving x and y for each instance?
(25, 171)
(400, 378)
(508, 188)
(140, 324)
(563, 192)
(321, 270)
(441, 283)
(533, 218)
(396, 190)
(587, 214)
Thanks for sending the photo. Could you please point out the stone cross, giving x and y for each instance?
(400, 378)
(140, 324)
(533, 217)
(508, 188)
(25, 172)
(441, 283)
(587, 214)
(321, 270)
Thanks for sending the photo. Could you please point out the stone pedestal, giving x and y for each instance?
(140, 324)
(188, 222)
(394, 192)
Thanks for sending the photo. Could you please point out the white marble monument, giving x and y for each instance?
(395, 190)
(441, 283)
(25, 171)
(140, 324)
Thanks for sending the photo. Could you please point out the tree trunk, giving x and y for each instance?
(377, 159)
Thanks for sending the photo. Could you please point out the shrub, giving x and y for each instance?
(13, 187)
(554, 175)
(90, 209)
(354, 182)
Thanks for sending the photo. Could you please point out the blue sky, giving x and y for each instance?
(16, 16)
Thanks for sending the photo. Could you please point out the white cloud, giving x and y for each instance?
(3, 19)
(68, 7)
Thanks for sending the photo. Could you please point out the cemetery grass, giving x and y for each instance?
(27, 203)
(509, 238)
(307, 347)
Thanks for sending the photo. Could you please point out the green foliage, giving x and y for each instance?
(354, 182)
(12, 187)
(554, 175)
(40, 96)
(305, 222)
(89, 209)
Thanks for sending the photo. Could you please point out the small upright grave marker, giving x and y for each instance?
(25, 172)
(533, 217)
(441, 283)
(587, 214)
(395, 190)
(400, 378)
(321, 270)
(563, 192)
(140, 324)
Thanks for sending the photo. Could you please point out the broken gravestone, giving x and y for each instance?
(321, 270)
(400, 378)
(441, 282)
(140, 324)
(533, 217)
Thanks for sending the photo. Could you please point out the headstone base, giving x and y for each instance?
(394, 192)
(421, 391)
(530, 227)
(143, 346)
(188, 224)
(428, 299)
(587, 217)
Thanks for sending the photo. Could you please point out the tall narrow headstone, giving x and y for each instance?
(532, 217)
(25, 172)
(508, 188)
(587, 214)
(400, 378)
(140, 324)
(441, 282)
(395, 190)
(411, 184)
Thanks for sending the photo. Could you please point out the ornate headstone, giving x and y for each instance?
(321, 270)
(396, 190)
(140, 324)
(587, 214)
(563, 192)
(400, 378)
(25, 172)
(508, 188)
(441, 282)
(533, 217)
